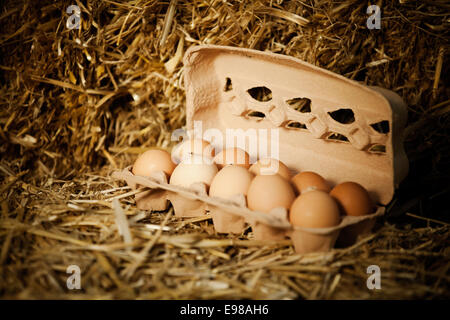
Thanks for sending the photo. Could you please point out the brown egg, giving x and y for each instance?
(152, 161)
(307, 181)
(230, 181)
(314, 209)
(270, 166)
(187, 173)
(193, 147)
(235, 156)
(267, 192)
(353, 199)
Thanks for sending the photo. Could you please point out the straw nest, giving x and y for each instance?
(78, 104)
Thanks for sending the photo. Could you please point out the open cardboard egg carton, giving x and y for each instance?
(325, 123)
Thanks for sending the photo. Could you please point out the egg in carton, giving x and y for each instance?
(309, 118)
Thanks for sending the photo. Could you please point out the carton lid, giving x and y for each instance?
(311, 119)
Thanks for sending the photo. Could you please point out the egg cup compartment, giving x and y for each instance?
(226, 222)
(152, 199)
(350, 234)
(188, 203)
(185, 206)
(262, 231)
(306, 242)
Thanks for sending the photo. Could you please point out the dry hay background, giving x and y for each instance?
(77, 104)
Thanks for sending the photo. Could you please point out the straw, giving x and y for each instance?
(76, 105)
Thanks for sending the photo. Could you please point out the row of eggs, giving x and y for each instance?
(307, 196)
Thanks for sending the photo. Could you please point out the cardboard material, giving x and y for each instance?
(226, 222)
(305, 242)
(349, 235)
(266, 226)
(321, 121)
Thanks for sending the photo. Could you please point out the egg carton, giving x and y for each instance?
(232, 215)
(326, 123)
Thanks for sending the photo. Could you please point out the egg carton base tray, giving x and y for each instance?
(228, 218)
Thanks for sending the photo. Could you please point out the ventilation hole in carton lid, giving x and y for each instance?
(344, 116)
(256, 114)
(228, 85)
(381, 127)
(302, 105)
(377, 148)
(337, 137)
(261, 94)
(296, 125)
